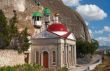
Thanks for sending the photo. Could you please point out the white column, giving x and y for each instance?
(42, 58)
(65, 55)
(72, 55)
(75, 55)
(29, 54)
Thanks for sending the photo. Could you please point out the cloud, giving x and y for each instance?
(104, 40)
(71, 2)
(91, 12)
(90, 32)
(86, 23)
(105, 29)
(99, 32)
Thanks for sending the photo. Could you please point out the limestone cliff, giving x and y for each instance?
(25, 8)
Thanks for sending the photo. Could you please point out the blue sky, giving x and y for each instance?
(96, 14)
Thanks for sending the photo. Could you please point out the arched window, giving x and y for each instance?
(54, 56)
(37, 57)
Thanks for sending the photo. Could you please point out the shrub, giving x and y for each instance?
(108, 53)
(25, 67)
(63, 69)
(7, 68)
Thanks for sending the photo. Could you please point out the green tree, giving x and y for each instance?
(13, 26)
(94, 46)
(4, 31)
(24, 41)
(84, 47)
(13, 31)
(81, 48)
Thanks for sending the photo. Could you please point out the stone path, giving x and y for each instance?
(85, 67)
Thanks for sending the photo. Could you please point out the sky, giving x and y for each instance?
(96, 14)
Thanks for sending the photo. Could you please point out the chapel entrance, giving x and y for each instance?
(45, 59)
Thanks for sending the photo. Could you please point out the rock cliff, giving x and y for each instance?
(25, 8)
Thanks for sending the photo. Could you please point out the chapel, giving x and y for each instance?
(52, 44)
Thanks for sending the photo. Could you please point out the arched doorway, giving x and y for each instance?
(45, 59)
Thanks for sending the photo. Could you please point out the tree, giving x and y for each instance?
(9, 34)
(94, 46)
(13, 31)
(24, 41)
(84, 47)
(13, 26)
(81, 48)
(4, 31)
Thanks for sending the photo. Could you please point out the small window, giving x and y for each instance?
(38, 18)
(54, 56)
(26, 57)
(37, 57)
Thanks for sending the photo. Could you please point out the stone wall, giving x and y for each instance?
(11, 58)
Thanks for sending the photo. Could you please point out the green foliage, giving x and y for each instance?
(13, 26)
(13, 31)
(8, 68)
(9, 34)
(30, 67)
(63, 69)
(108, 53)
(94, 46)
(84, 47)
(24, 41)
(4, 33)
(25, 67)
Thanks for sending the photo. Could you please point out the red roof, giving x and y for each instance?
(57, 27)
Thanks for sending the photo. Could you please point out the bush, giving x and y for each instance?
(30, 67)
(63, 69)
(85, 48)
(108, 53)
(25, 67)
(7, 69)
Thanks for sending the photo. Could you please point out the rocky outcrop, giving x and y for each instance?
(69, 17)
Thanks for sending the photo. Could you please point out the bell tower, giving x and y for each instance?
(56, 18)
(47, 13)
(37, 21)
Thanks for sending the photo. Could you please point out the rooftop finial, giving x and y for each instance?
(56, 19)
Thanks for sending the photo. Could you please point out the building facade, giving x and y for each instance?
(53, 51)
(53, 47)
(52, 44)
